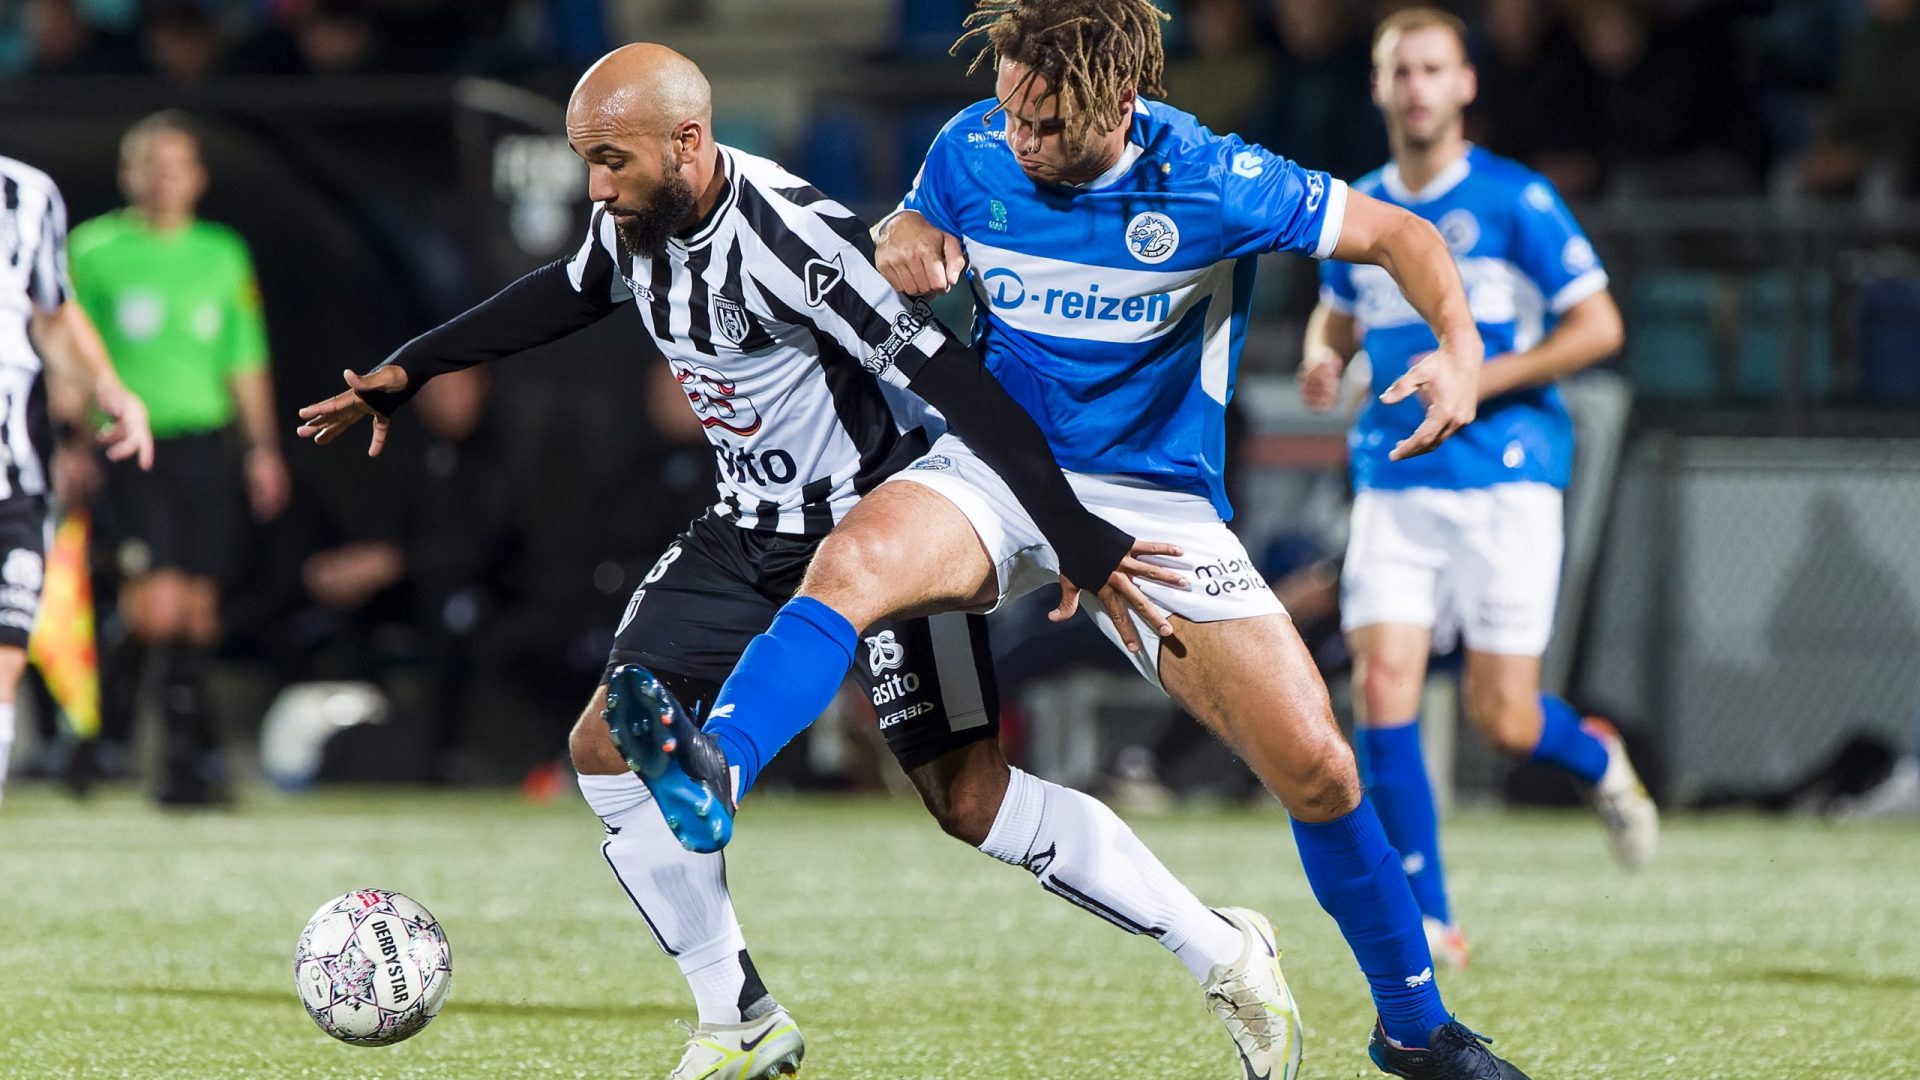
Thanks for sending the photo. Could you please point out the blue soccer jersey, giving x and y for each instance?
(1115, 311)
(1524, 262)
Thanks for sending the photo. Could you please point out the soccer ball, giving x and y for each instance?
(372, 967)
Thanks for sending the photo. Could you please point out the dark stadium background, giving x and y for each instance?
(1742, 592)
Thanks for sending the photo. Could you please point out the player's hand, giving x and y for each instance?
(1447, 381)
(126, 434)
(1320, 379)
(1120, 593)
(917, 258)
(267, 482)
(325, 421)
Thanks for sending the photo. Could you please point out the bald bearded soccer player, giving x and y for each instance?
(812, 379)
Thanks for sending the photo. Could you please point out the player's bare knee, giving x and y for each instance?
(1508, 720)
(13, 664)
(855, 571)
(1386, 684)
(1326, 784)
(965, 802)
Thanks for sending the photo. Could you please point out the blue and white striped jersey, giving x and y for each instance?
(1115, 311)
(1524, 261)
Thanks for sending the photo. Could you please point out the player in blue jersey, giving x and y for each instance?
(1109, 242)
(1464, 543)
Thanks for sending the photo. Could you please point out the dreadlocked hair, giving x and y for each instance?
(1089, 52)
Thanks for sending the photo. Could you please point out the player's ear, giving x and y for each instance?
(1469, 85)
(686, 140)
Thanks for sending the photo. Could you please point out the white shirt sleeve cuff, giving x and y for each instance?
(1587, 284)
(1336, 217)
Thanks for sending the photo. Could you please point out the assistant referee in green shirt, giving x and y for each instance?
(176, 300)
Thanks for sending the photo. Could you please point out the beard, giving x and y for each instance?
(645, 231)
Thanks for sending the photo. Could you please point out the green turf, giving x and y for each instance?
(141, 945)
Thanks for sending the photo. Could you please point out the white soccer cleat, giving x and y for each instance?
(1632, 819)
(1447, 942)
(758, 1049)
(1251, 997)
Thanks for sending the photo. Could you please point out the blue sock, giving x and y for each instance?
(1357, 878)
(784, 681)
(1565, 743)
(1395, 774)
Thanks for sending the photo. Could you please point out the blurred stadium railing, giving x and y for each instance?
(1748, 607)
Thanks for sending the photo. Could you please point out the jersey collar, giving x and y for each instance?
(1127, 157)
(1448, 179)
(704, 231)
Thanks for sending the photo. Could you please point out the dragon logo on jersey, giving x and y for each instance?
(716, 400)
(730, 319)
(884, 652)
(1152, 237)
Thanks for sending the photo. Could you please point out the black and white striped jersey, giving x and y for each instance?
(33, 278)
(790, 346)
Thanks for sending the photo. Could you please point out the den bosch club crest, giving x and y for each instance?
(729, 319)
(1152, 237)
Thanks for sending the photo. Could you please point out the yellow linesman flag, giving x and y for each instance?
(62, 644)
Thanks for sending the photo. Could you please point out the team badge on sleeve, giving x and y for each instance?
(1152, 237)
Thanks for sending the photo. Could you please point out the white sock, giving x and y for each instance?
(683, 897)
(1083, 853)
(6, 742)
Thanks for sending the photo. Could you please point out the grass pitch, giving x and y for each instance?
(137, 944)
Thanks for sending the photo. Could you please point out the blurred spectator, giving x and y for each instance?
(1538, 100)
(1675, 117)
(1873, 122)
(1318, 109)
(176, 301)
(62, 41)
(182, 42)
(1223, 72)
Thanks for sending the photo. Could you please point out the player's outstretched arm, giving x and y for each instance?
(1331, 340)
(325, 421)
(1411, 251)
(540, 307)
(1586, 333)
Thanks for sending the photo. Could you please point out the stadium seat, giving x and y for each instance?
(1767, 314)
(1889, 339)
(1671, 334)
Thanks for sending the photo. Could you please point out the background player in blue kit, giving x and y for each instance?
(1111, 244)
(1465, 542)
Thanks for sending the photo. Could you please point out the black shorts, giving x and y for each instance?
(23, 565)
(180, 516)
(718, 585)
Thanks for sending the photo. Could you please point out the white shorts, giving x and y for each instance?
(1224, 583)
(1481, 566)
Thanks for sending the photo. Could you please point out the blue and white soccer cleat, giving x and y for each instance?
(1453, 1052)
(685, 770)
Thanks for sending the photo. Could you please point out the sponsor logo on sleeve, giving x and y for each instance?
(821, 276)
(1577, 256)
(906, 326)
(1248, 164)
